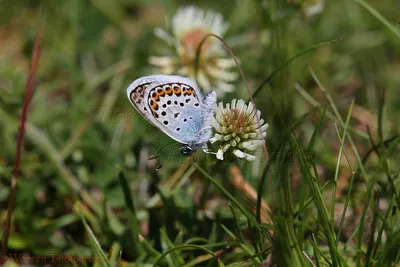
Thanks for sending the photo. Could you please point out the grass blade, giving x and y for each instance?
(322, 210)
(184, 247)
(235, 203)
(377, 15)
(94, 243)
(132, 214)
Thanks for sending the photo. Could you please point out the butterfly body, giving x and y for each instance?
(175, 105)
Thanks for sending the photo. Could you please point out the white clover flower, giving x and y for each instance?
(237, 129)
(188, 28)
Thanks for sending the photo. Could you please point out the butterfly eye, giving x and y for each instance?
(186, 150)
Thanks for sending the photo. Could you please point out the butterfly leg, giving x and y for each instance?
(206, 150)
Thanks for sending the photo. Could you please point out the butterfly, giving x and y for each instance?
(175, 105)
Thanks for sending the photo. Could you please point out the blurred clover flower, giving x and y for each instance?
(313, 7)
(189, 26)
(237, 129)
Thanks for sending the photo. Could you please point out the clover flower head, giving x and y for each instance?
(188, 28)
(237, 129)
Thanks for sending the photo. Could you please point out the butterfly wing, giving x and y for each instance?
(174, 104)
(136, 94)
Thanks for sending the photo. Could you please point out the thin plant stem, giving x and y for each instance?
(341, 149)
(277, 70)
(336, 111)
(29, 88)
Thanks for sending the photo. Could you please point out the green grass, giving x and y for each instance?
(327, 85)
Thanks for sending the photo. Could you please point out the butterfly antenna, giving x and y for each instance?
(155, 156)
(160, 166)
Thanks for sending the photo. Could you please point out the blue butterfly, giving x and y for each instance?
(175, 105)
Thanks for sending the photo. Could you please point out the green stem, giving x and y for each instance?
(235, 202)
(312, 48)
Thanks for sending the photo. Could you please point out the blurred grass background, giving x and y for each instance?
(87, 188)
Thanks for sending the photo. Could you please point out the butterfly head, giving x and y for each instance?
(187, 150)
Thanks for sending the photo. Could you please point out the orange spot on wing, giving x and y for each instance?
(189, 91)
(162, 93)
(154, 106)
(177, 91)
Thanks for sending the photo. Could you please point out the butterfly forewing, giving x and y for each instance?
(176, 107)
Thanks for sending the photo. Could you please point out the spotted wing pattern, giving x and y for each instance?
(171, 97)
(176, 108)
